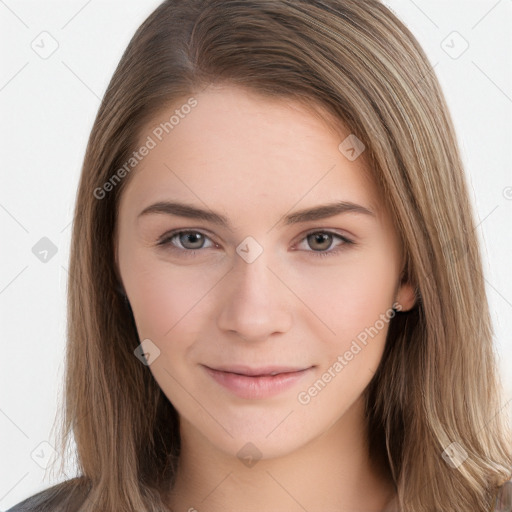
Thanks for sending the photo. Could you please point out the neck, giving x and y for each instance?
(332, 472)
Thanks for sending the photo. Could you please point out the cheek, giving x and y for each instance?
(351, 296)
(164, 297)
(356, 302)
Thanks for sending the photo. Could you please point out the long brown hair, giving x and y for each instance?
(436, 391)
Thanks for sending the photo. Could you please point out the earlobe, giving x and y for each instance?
(405, 297)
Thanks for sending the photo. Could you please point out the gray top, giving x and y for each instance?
(69, 495)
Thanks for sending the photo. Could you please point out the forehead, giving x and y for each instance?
(238, 147)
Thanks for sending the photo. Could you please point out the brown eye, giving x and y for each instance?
(320, 241)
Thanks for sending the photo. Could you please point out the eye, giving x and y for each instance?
(188, 241)
(321, 241)
(191, 241)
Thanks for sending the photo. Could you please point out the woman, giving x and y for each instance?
(275, 299)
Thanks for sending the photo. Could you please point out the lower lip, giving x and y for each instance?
(257, 387)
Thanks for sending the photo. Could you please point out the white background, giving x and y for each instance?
(48, 107)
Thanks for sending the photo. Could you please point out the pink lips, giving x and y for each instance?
(257, 383)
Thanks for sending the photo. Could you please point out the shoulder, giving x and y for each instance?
(65, 496)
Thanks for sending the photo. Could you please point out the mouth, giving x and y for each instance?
(257, 383)
(259, 371)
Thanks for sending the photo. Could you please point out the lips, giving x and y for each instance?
(259, 371)
(253, 383)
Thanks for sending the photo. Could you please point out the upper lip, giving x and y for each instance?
(261, 370)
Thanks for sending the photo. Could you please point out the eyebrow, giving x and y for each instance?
(309, 214)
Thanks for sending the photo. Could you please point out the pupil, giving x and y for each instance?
(191, 238)
(322, 238)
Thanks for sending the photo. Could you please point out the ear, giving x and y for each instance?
(406, 294)
(405, 297)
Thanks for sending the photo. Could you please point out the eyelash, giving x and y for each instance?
(165, 240)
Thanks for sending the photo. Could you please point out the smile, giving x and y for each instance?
(257, 386)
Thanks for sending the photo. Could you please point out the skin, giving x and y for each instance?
(254, 160)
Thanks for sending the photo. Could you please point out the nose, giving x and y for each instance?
(255, 304)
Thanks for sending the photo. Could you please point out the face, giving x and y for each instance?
(255, 284)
